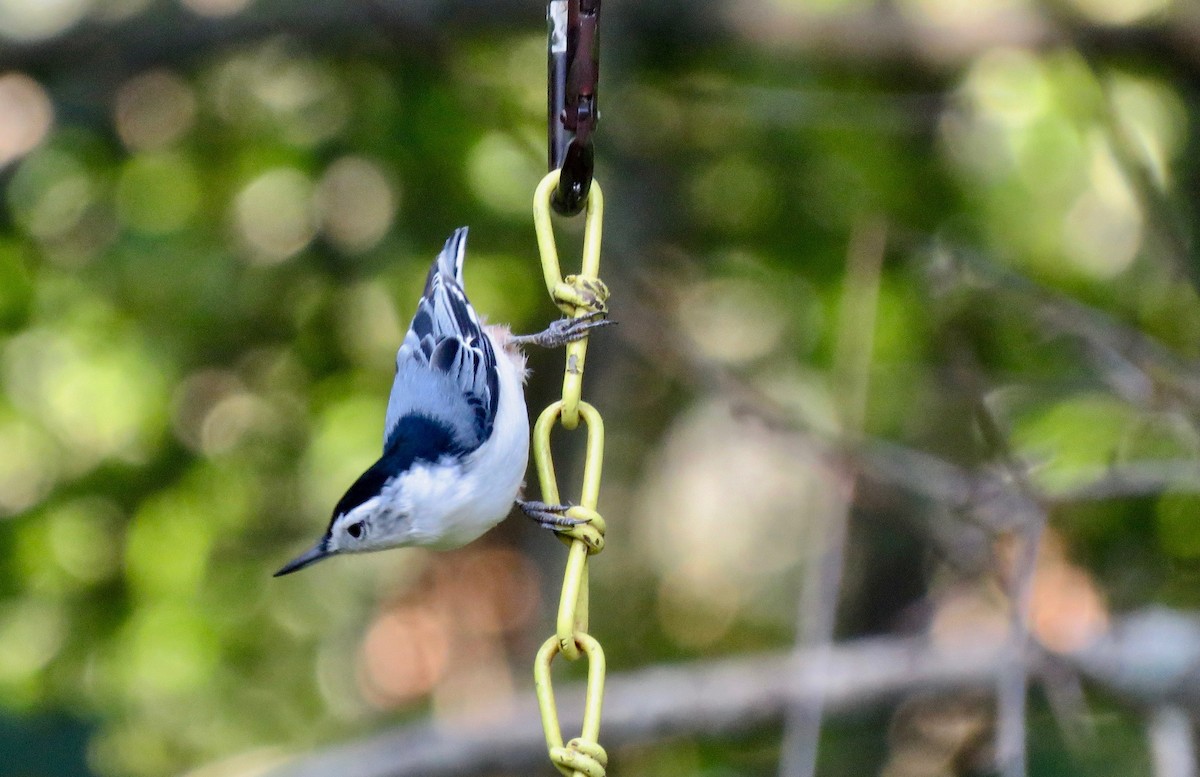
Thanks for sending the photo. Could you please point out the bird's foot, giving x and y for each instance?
(565, 330)
(549, 516)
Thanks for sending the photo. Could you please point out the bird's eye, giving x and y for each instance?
(355, 530)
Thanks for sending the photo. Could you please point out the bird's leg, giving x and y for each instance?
(549, 516)
(563, 331)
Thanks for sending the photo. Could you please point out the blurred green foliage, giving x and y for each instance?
(210, 249)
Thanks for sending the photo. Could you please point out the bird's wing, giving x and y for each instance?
(446, 368)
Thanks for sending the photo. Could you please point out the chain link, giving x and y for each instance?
(577, 295)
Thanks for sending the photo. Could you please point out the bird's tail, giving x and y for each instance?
(450, 260)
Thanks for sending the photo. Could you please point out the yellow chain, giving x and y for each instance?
(577, 295)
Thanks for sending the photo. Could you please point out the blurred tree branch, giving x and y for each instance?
(1171, 745)
(652, 704)
(169, 34)
(1135, 366)
(821, 591)
(999, 496)
(885, 34)
(721, 697)
(1011, 685)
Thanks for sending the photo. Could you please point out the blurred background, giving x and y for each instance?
(903, 434)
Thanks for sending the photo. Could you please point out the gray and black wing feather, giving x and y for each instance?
(446, 369)
(447, 389)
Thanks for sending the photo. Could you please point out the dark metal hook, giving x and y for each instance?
(573, 75)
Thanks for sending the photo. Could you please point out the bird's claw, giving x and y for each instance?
(568, 330)
(549, 516)
(565, 330)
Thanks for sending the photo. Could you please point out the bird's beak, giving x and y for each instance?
(310, 556)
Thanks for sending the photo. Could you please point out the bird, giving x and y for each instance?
(456, 429)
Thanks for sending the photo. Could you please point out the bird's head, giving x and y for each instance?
(367, 518)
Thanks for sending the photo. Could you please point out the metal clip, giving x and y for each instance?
(573, 75)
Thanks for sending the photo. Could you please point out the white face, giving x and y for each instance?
(351, 532)
(373, 525)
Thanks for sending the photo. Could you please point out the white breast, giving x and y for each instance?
(452, 504)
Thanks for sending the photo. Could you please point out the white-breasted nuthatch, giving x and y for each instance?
(456, 434)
